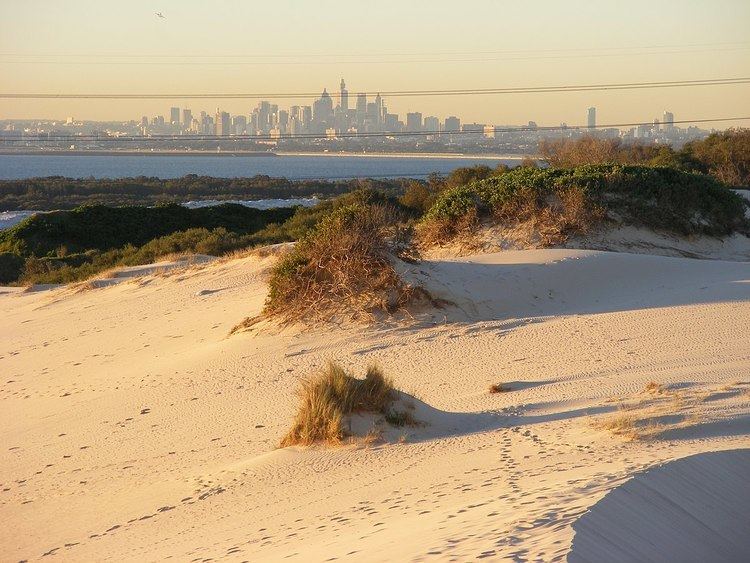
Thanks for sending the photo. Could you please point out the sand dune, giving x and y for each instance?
(134, 428)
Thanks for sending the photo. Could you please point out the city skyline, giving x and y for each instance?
(238, 47)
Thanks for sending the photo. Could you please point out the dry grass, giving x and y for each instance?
(498, 388)
(326, 399)
(654, 411)
(653, 387)
(526, 222)
(343, 270)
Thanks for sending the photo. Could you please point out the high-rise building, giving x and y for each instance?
(174, 116)
(323, 111)
(361, 111)
(239, 124)
(668, 120)
(344, 102)
(452, 124)
(413, 122)
(223, 123)
(591, 121)
(187, 118)
(379, 105)
(432, 123)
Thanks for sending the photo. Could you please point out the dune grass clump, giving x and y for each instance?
(497, 388)
(329, 397)
(558, 203)
(342, 269)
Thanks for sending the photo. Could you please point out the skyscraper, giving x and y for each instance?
(591, 122)
(187, 118)
(174, 116)
(668, 120)
(323, 112)
(361, 108)
(223, 123)
(344, 96)
(414, 122)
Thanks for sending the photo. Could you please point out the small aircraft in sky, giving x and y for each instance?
(159, 14)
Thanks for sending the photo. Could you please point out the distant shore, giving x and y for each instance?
(482, 156)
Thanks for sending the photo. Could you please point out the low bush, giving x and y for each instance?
(326, 399)
(341, 268)
(567, 201)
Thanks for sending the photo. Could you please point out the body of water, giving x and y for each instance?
(14, 167)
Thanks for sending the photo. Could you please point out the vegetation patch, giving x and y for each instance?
(563, 202)
(498, 388)
(327, 399)
(342, 269)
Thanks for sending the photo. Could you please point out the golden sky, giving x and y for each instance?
(227, 46)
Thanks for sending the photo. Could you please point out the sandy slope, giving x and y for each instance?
(134, 429)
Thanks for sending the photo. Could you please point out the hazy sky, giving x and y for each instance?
(107, 46)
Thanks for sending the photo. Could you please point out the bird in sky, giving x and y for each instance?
(159, 14)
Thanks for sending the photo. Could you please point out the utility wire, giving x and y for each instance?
(393, 93)
(307, 55)
(313, 136)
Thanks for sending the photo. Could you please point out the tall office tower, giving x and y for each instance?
(379, 105)
(223, 123)
(306, 118)
(283, 124)
(187, 119)
(361, 111)
(373, 117)
(295, 112)
(239, 124)
(668, 120)
(344, 102)
(323, 110)
(592, 118)
(452, 124)
(432, 124)
(144, 121)
(264, 117)
(174, 116)
(413, 122)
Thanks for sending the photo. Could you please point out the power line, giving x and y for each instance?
(316, 136)
(308, 54)
(396, 93)
(392, 61)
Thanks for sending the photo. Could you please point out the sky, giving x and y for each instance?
(229, 46)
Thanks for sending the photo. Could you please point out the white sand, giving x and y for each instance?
(132, 428)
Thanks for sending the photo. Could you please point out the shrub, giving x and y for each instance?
(326, 399)
(11, 266)
(342, 267)
(565, 201)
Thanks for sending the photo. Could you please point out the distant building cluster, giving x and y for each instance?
(326, 125)
(323, 117)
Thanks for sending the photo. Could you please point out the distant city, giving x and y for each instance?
(361, 124)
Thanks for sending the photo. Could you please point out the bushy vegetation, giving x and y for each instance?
(56, 192)
(341, 268)
(98, 227)
(67, 246)
(326, 399)
(573, 200)
(724, 155)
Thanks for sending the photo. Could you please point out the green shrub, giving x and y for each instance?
(656, 197)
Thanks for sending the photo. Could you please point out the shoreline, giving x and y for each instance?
(240, 154)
